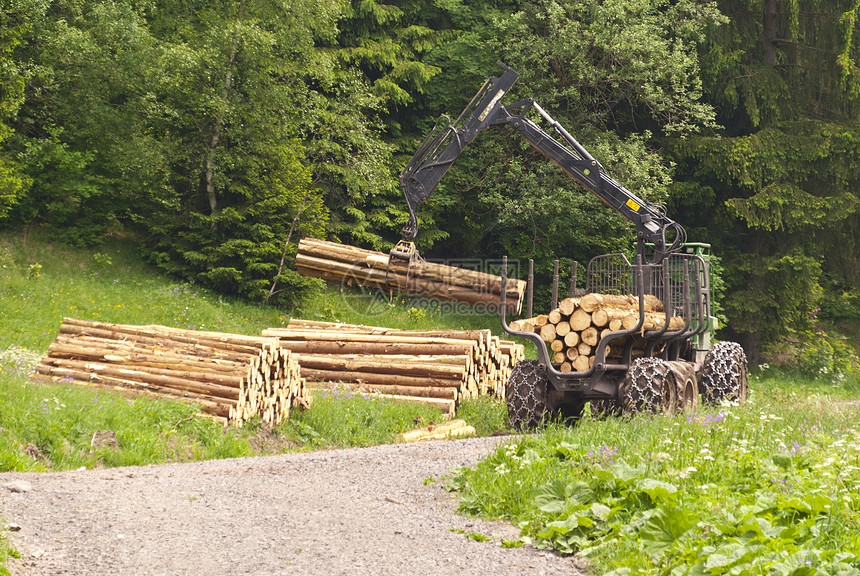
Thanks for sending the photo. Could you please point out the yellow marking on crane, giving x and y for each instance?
(633, 205)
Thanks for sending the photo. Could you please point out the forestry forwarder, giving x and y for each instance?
(652, 368)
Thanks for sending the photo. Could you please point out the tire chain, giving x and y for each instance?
(644, 384)
(724, 374)
(525, 395)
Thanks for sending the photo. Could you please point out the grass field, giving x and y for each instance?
(770, 487)
(59, 427)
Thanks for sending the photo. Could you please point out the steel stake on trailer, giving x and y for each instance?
(530, 288)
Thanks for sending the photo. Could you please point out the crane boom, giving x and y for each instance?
(447, 140)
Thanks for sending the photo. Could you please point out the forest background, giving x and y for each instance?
(215, 134)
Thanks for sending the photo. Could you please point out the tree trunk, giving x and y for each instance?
(351, 265)
(219, 122)
(771, 15)
(293, 224)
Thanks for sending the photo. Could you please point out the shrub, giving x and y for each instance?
(827, 356)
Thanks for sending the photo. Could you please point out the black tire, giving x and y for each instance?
(526, 396)
(648, 386)
(724, 374)
(684, 375)
(688, 395)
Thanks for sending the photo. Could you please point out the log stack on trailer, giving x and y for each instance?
(573, 329)
(436, 367)
(350, 265)
(230, 376)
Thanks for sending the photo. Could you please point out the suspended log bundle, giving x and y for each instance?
(231, 376)
(356, 266)
(436, 367)
(573, 330)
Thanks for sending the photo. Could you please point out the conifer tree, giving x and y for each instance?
(777, 187)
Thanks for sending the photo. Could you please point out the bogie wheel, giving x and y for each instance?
(688, 396)
(724, 374)
(526, 395)
(648, 386)
(685, 384)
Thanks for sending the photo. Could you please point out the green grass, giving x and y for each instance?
(766, 488)
(486, 414)
(40, 283)
(372, 307)
(6, 551)
(341, 418)
(770, 487)
(64, 426)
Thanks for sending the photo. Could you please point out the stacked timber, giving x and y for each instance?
(231, 376)
(436, 367)
(356, 266)
(573, 330)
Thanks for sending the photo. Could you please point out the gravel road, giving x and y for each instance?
(360, 512)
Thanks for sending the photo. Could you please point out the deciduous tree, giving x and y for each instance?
(618, 75)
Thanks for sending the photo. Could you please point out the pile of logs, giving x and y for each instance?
(230, 376)
(573, 330)
(355, 266)
(436, 367)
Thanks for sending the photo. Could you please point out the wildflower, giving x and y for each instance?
(687, 471)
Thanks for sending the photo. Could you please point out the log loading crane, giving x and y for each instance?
(652, 368)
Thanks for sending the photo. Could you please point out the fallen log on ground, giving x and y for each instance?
(451, 429)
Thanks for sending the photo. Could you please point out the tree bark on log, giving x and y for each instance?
(349, 264)
(249, 375)
(338, 376)
(450, 429)
(88, 379)
(578, 325)
(591, 302)
(474, 362)
(399, 390)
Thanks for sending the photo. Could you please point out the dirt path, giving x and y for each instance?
(358, 512)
